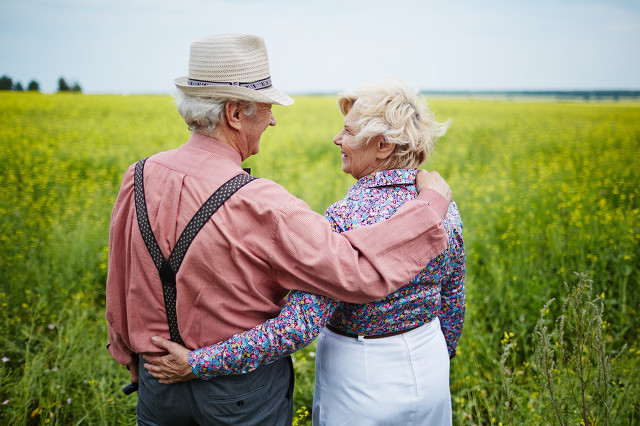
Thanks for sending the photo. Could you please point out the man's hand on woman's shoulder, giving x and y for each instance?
(433, 180)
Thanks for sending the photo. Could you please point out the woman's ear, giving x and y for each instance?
(385, 149)
(233, 111)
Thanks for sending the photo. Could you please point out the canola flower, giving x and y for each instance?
(544, 189)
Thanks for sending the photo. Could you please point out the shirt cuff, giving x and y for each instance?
(435, 200)
(193, 363)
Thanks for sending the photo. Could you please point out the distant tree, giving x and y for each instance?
(6, 83)
(63, 86)
(76, 87)
(18, 87)
(33, 86)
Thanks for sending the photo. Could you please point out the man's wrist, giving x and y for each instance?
(435, 200)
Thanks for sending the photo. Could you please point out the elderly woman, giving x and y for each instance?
(385, 362)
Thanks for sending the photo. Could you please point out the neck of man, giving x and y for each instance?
(226, 135)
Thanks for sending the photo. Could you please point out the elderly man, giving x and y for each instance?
(229, 268)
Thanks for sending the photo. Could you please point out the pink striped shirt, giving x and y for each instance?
(262, 243)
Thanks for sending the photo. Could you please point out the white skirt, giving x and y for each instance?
(397, 380)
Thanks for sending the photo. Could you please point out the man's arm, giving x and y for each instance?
(360, 265)
(116, 278)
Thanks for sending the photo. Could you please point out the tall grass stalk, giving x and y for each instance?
(572, 359)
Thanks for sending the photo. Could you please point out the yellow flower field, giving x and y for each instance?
(545, 189)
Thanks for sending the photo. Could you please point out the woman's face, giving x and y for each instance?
(357, 161)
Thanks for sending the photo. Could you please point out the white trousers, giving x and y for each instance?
(398, 380)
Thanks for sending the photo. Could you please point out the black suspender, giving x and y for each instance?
(168, 268)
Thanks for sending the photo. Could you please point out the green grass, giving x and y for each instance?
(544, 189)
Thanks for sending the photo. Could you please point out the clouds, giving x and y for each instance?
(142, 45)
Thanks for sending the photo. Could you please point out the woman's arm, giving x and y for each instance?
(452, 304)
(299, 322)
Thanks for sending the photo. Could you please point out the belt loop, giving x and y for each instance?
(360, 337)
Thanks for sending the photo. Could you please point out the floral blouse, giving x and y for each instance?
(437, 291)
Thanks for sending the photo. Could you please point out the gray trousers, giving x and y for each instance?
(261, 397)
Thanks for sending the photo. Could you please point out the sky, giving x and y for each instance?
(318, 46)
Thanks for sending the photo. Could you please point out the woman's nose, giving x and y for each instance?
(272, 122)
(338, 139)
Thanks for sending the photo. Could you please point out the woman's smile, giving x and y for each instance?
(358, 159)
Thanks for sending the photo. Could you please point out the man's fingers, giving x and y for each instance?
(433, 180)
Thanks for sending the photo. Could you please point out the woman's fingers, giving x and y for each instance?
(171, 368)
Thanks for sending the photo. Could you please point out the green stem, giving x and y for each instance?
(580, 351)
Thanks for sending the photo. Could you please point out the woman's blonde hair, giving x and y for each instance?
(401, 116)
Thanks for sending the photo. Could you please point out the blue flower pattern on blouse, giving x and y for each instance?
(438, 290)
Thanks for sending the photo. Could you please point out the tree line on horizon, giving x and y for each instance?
(7, 83)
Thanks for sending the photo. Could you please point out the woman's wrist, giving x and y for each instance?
(193, 363)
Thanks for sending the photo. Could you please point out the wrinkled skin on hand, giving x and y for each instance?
(433, 180)
(171, 368)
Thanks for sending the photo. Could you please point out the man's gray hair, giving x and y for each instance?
(203, 115)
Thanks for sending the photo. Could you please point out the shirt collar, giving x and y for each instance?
(386, 178)
(214, 146)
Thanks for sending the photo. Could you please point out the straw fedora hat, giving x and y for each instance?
(233, 66)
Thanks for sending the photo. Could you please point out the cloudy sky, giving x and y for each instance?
(140, 46)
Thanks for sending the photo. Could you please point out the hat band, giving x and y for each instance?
(256, 85)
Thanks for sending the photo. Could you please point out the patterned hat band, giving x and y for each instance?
(256, 85)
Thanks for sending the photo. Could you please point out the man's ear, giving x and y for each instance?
(233, 111)
(385, 149)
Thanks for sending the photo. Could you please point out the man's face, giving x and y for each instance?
(255, 126)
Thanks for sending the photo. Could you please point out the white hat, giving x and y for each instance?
(231, 66)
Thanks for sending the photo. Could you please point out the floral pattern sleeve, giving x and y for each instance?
(298, 324)
(452, 293)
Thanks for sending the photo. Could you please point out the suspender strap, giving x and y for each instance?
(168, 268)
